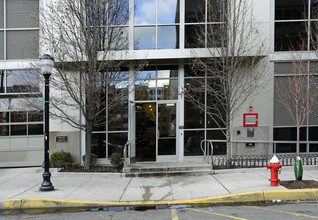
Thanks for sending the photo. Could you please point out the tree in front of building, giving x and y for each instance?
(82, 36)
(235, 64)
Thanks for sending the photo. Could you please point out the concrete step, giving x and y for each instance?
(167, 169)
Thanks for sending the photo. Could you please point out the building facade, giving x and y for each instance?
(151, 106)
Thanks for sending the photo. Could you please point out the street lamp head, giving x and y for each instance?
(46, 64)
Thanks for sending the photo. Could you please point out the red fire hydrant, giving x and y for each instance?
(274, 166)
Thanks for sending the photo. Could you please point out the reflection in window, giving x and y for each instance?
(194, 11)
(146, 74)
(116, 142)
(143, 88)
(22, 44)
(18, 129)
(99, 145)
(168, 88)
(194, 36)
(168, 37)
(168, 11)
(290, 36)
(18, 116)
(20, 81)
(118, 38)
(145, 12)
(144, 38)
(4, 130)
(35, 129)
(290, 10)
(192, 141)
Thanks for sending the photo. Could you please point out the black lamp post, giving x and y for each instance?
(46, 66)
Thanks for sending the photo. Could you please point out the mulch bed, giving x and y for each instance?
(305, 184)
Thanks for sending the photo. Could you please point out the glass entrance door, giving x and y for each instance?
(166, 131)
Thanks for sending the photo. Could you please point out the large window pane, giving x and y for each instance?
(194, 36)
(18, 129)
(145, 12)
(192, 142)
(168, 37)
(35, 116)
(314, 9)
(35, 129)
(18, 116)
(21, 14)
(146, 74)
(194, 11)
(313, 131)
(4, 130)
(4, 117)
(216, 34)
(1, 46)
(290, 36)
(1, 14)
(194, 113)
(118, 39)
(19, 81)
(99, 145)
(145, 38)
(167, 71)
(116, 142)
(216, 9)
(290, 9)
(289, 148)
(167, 89)
(22, 44)
(168, 11)
(289, 134)
(145, 89)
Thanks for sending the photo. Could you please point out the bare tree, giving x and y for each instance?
(82, 36)
(235, 64)
(297, 92)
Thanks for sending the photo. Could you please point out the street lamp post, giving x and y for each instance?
(46, 66)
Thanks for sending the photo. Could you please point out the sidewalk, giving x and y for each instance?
(19, 188)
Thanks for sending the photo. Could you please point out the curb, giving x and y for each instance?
(239, 198)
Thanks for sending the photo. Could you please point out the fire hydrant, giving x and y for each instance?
(274, 166)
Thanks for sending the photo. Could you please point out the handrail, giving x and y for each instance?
(205, 151)
(127, 150)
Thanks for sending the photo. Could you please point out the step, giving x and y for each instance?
(169, 173)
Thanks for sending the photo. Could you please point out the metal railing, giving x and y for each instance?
(205, 147)
(127, 153)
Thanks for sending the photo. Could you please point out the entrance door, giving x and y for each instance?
(166, 131)
(156, 131)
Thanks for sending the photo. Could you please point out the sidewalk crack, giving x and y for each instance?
(221, 184)
(125, 190)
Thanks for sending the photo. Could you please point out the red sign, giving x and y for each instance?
(250, 119)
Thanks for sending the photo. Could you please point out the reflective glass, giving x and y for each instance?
(119, 38)
(313, 131)
(2, 77)
(194, 11)
(167, 89)
(216, 35)
(4, 117)
(168, 37)
(215, 109)
(20, 81)
(289, 148)
(18, 129)
(194, 36)
(4, 130)
(35, 129)
(192, 142)
(313, 147)
(288, 68)
(99, 145)
(1, 14)
(145, 74)
(290, 9)
(216, 9)
(193, 113)
(314, 9)
(119, 12)
(144, 38)
(168, 11)
(145, 12)
(18, 117)
(289, 134)
(118, 106)
(1, 45)
(22, 44)
(167, 73)
(313, 35)
(35, 116)
(116, 142)
(290, 35)
(22, 14)
(145, 89)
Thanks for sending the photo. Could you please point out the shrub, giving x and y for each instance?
(115, 159)
(59, 159)
(93, 158)
(75, 165)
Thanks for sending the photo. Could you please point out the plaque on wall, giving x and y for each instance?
(61, 139)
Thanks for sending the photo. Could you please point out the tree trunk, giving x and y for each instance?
(297, 143)
(88, 144)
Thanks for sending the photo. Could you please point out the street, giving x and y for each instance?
(290, 210)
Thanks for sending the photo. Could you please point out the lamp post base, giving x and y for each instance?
(46, 185)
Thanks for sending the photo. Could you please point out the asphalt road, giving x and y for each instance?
(292, 210)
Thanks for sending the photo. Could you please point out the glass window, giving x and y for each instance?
(19, 81)
(116, 142)
(145, 12)
(289, 134)
(290, 9)
(168, 37)
(290, 36)
(216, 9)
(35, 116)
(313, 147)
(35, 129)
(167, 71)
(168, 11)
(192, 142)
(143, 88)
(194, 36)
(18, 117)
(4, 130)
(118, 38)
(1, 45)
(215, 35)
(313, 131)
(4, 117)
(194, 11)
(22, 44)
(1, 14)
(314, 9)
(18, 129)
(22, 14)
(146, 74)
(99, 145)
(145, 38)
(168, 88)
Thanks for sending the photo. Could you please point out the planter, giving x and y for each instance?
(298, 169)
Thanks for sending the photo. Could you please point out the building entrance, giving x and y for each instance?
(156, 131)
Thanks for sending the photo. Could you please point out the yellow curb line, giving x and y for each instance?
(247, 197)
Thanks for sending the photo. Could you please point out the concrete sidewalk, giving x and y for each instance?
(19, 188)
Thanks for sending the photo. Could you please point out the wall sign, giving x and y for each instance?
(61, 139)
(250, 119)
